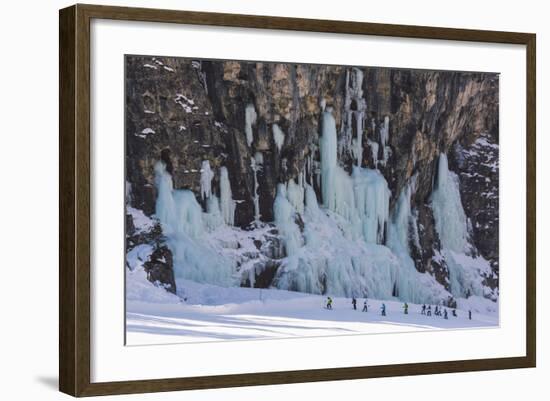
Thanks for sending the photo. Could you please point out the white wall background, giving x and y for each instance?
(29, 184)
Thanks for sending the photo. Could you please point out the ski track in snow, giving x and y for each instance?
(250, 313)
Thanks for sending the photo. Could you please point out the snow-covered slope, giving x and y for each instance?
(212, 313)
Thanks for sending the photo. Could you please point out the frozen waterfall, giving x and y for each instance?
(410, 285)
(181, 218)
(227, 204)
(249, 120)
(362, 198)
(329, 159)
(354, 115)
(450, 219)
(278, 136)
(295, 194)
(284, 218)
(372, 200)
(336, 184)
(165, 207)
(213, 217)
(256, 163)
(384, 139)
(206, 179)
(324, 260)
(466, 271)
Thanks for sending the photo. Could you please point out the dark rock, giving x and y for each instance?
(160, 270)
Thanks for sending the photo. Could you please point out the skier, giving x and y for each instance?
(454, 313)
(354, 303)
(329, 303)
(429, 310)
(470, 314)
(445, 314)
(423, 312)
(365, 308)
(383, 310)
(436, 312)
(406, 308)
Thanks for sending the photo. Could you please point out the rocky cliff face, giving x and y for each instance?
(233, 113)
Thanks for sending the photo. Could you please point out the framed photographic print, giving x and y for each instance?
(247, 200)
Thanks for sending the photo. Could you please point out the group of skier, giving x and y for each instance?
(440, 311)
(426, 310)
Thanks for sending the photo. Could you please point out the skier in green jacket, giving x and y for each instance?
(329, 303)
(406, 308)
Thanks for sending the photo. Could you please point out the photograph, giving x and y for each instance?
(266, 201)
(272, 200)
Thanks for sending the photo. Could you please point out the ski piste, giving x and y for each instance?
(213, 313)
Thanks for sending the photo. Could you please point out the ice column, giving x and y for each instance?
(384, 139)
(256, 163)
(182, 222)
(465, 272)
(213, 216)
(206, 179)
(249, 120)
(165, 208)
(372, 198)
(336, 184)
(284, 219)
(407, 285)
(450, 219)
(278, 136)
(227, 204)
(328, 159)
(295, 194)
(354, 115)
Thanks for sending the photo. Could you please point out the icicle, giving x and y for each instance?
(328, 159)
(466, 272)
(295, 194)
(227, 204)
(206, 179)
(450, 219)
(312, 205)
(165, 209)
(278, 136)
(399, 238)
(213, 216)
(346, 136)
(358, 148)
(256, 163)
(182, 223)
(189, 213)
(249, 120)
(384, 139)
(374, 152)
(284, 219)
(178, 211)
(408, 285)
(354, 111)
(372, 198)
(336, 184)
(311, 163)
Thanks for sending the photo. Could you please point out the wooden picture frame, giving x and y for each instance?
(75, 207)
